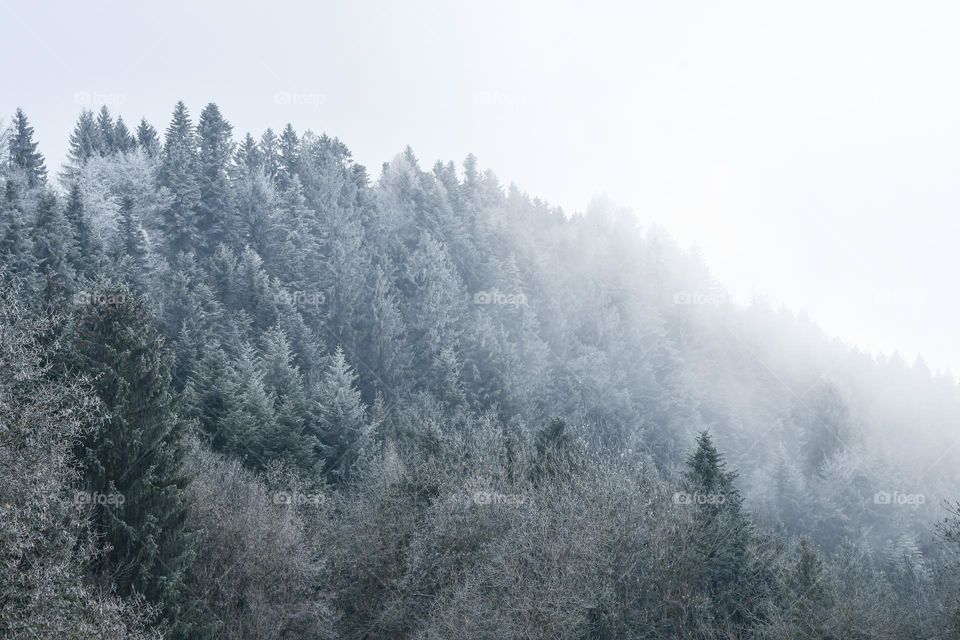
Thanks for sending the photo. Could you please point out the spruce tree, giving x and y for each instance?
(270, 150)
(289, 156)
(87, 246)
(723, 531)
(23, 151)
(54, 241)
(135, 456)
(123, 140)
(130, 246)
(178, 173)
(340, 416)
(85, 141)
(16, 246)
(284, 385)
(108, 141)
(147, 139)
(216, 220)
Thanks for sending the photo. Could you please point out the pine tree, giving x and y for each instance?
(130, 246)
(85, 140)
(87, 246)
(178, 173)
(108, 141)
(248, 158)
(723, 531)
(16, 246)
(284, 385)
(388, 356)
(341, 418)
(54, 242)
(23, 151)
(270, 148)
(250, 421)
(216, 219)
(289, 156)
(147, 139)
(134, 458)
(122, 138)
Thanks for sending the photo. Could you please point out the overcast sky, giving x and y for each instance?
(811, 149)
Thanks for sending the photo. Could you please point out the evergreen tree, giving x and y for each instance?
(249, 422)
(23, 151)
(16, 247)
(147, 138)
(54, 242)
(105, 126)
(86, 244)
(85, 140)
(289, 160)
(130, 246)
(270, 149)
(284, 385)
(178, 173)
(248, 158)
(216, 223)
(122, 138)
(134, 458)
(341, 418)
(723, 532)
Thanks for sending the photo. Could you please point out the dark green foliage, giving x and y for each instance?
(23, 151)
(493, 397)
(147, 138)
(179, 173)
(135, 457)
(215, 214)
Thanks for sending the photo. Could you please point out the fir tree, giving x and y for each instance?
(341, 417)
(134, 458)
(270, 150)
(215, 221)
(122, 138)
(147, 139)
(289, 156)
(723, 531)
(284, 385)
(85, 241)
(105, 127)
(16, 247)
(178, 173)
(23, 151)
(85, 140)
(54, 241)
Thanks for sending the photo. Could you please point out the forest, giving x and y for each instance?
(251, 389)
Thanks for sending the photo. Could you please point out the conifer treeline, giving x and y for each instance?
(260, 395)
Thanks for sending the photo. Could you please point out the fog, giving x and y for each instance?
(512, 320)
(807, 149)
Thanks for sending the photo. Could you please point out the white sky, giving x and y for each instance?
(811, 149)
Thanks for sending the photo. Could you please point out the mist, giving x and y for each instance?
(539, 320)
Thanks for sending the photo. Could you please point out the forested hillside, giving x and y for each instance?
(249, 389)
